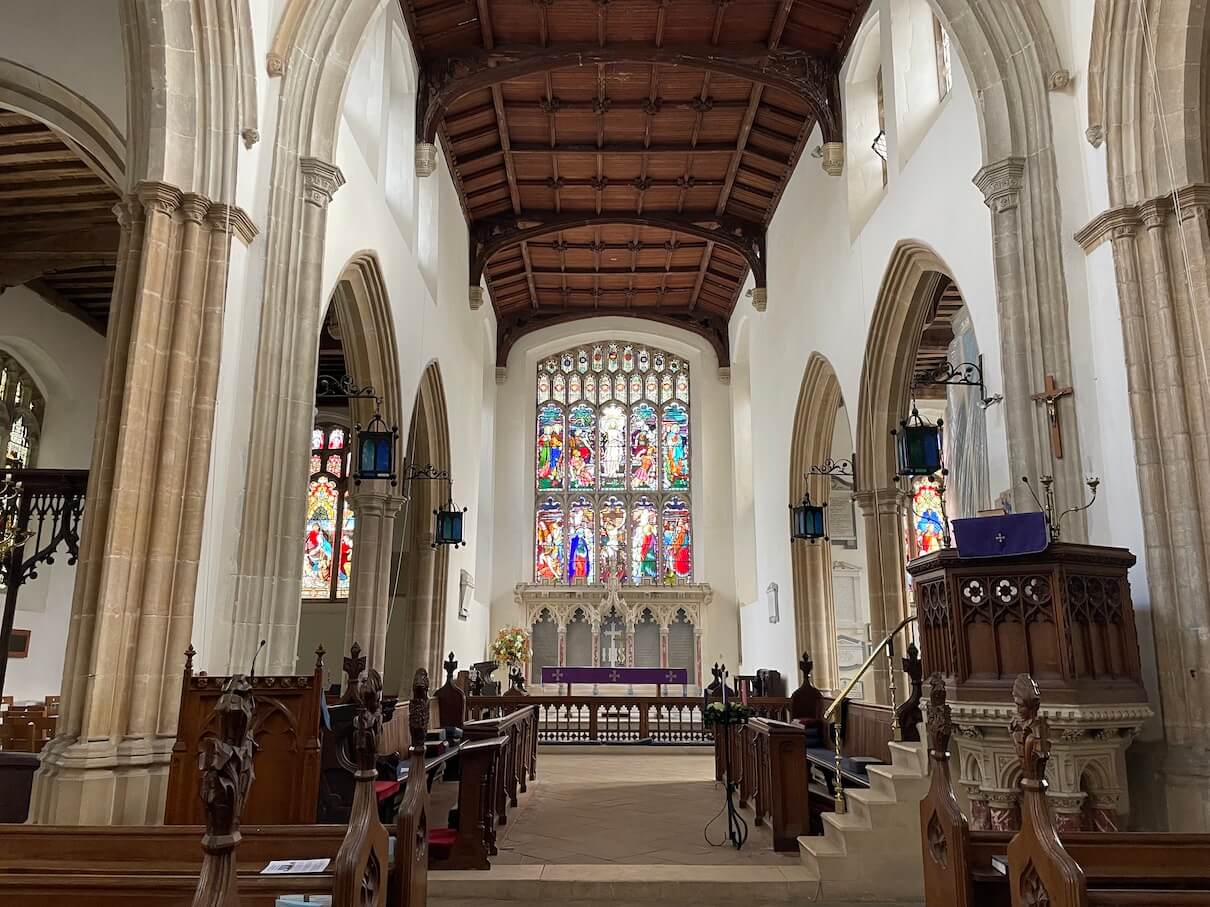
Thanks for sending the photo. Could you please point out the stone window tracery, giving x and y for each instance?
(612, 466)
(21, 412)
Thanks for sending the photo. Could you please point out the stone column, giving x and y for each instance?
(1034, 342)
(135, 584)
(664, 631)
(883, 533)
(596, 644)
(267, 599)
(563, 646)
(419, 619)
(630, 645)
(697, 658)
(814, 607)
(1169, 411)
(370, 585)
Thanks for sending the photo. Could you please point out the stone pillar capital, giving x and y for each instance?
(320, 180)
(158, 197)
(501, 374)
(194, 207)
(475, 298)
(879, 500)
(369, 500)
(1001, 183)
(1155, 212)
(221, 216)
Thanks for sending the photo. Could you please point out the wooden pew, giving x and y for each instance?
(1078, 869)
(451, 699)
(165, 866)
(775, 770)
(519, 757)
(286, 729)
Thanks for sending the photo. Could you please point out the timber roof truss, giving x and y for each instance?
(624, 157)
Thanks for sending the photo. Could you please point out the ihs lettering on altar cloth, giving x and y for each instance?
(1051, 396)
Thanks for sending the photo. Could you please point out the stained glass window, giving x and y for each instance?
(612, 465)
(926, 516)
(20, 414)
(328, 542)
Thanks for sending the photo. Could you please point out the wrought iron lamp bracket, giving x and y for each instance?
(345, 388)
(961, 374)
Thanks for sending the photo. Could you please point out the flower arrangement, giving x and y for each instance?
(735, 713)
(511, 646)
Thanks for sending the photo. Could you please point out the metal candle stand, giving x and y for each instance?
(737, 827)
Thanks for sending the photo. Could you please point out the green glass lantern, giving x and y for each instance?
(918, 446)
(375, 451)
(448, 530)
(807, 520)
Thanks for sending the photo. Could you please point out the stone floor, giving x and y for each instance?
(623, 806)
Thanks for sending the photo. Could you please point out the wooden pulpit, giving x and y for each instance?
(1062, 615)
(285, 726)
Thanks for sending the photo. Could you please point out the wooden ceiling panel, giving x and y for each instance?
(623, 155)
(58, 233)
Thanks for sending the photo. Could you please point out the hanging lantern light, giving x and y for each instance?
(376, 451)
(918, 445)
(807, 520)
(448, 530)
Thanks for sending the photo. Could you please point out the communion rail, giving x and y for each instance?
(619, 719)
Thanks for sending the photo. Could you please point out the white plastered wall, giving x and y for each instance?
(66, 359)
(822, 290)
(710, 469)
(416, 230)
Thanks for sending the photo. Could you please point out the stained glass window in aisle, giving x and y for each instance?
(926, 516)
(612, 465)
(329, 534)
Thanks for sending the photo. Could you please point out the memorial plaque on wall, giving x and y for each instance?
(842, 516)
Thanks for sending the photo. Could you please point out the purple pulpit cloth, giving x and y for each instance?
(1001, 536)
(615, 675)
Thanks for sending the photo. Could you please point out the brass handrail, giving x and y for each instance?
(844, 694)
(839, 801)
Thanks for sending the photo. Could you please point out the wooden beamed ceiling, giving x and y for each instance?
(58, 232)
(624, 156)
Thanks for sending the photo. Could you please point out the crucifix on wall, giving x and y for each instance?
(1051, 396)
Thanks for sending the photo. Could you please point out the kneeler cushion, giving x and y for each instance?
(441, 841)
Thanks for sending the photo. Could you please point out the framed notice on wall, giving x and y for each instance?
(18, 644)
(842, 515)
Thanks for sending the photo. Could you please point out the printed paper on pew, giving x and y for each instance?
(295, 867)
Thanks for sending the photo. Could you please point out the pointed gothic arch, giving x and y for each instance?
(819, 398)
(417, 617)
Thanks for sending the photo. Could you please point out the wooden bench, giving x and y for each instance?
(165, 866)
(519, 757)
(1081, 869)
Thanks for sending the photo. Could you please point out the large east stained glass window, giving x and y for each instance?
(328, 545)
(612, 466)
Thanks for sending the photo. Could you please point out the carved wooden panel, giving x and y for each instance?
(285, 727)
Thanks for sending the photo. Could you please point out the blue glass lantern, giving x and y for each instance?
(448, 530)
(807, 520)
(376, 451)
(918, 446)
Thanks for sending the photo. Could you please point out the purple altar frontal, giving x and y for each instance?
(657, 676)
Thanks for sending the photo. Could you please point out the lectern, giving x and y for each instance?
(1063, 614)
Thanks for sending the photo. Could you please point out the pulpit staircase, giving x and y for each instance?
(871, 850)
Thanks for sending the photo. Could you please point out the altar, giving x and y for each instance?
(650, 627)
(659, 677)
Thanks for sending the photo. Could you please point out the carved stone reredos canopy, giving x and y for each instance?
(628, 601)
